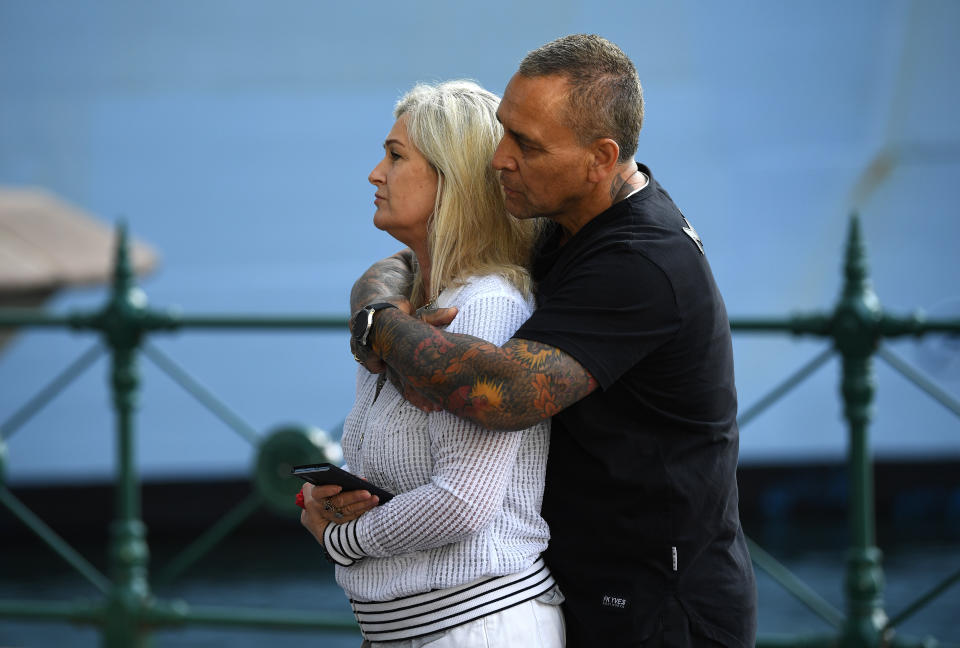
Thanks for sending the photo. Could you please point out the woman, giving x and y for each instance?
(453, 559)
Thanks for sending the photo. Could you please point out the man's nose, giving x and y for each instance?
(503, 160)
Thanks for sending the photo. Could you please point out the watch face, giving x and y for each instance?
(363, 320)
(359, 324)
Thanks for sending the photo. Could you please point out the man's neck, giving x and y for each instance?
(624, 183)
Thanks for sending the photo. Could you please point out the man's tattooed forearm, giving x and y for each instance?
(390, 277)
(506, 388)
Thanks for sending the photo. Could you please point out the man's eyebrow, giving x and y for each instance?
(520, 137)
(524, 139)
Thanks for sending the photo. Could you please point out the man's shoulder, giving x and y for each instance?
(656, 228)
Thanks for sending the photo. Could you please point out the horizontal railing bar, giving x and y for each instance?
(816, 324)
(172, 319)
(821, 324)
(257, 321)
(793, 585)
(917, 324)
(55, 542)
(17, 317)
(942, 326)
(66, 611)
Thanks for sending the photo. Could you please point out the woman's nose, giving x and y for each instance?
(376, 175)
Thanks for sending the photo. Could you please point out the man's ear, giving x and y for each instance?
(603, 160)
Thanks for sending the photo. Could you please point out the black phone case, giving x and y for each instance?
(325, 473)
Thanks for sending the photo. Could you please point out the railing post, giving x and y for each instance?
(121, 323)
(856, 334)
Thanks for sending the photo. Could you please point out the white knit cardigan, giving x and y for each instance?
(467, 499)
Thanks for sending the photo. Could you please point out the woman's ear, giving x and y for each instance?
(603, 159)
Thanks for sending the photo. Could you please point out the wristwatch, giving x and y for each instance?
(363, 322)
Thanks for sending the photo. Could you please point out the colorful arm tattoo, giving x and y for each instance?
(501, 388)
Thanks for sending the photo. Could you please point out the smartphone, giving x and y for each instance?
(325, 473)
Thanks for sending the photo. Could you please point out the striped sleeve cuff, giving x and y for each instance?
(341, 543)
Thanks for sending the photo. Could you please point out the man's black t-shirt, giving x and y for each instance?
(641, 493)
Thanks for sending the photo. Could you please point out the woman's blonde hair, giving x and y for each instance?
(454, 125)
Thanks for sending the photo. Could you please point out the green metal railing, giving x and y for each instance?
(856, 327)
(129, 613)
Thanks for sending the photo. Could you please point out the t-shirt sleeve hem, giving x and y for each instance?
(603, 378)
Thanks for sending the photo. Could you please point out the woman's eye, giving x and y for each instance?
(394, 155)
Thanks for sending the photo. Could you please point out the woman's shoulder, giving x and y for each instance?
(483, 286)
(488, 306)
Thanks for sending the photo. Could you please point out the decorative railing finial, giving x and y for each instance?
(123, 277)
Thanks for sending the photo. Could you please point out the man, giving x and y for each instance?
(629, 351)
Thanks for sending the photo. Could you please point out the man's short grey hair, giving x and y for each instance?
(606, 99)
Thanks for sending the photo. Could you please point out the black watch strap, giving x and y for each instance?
(364, 322)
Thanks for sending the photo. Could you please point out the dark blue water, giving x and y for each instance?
(287, 573)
